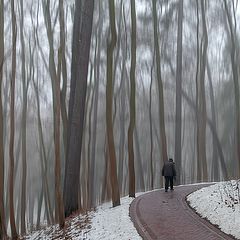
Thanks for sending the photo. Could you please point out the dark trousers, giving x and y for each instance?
(167, 181)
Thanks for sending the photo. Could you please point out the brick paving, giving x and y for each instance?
(161, 215)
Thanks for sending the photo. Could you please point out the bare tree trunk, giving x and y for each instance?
(58, 193)
(3, 232)
(88, 170)
(24, 127)
(43, 159)
(139, 161)
(202, 102)
(82, 31)
(199, 168)
(215, 166)
(132, 106)
(234, 64)
(178, 117)
(96, 100)
(163, 146)
(109, 99)
(39, 208)
(54, 80)
(151, 128)
(122, 108)
(64, 73)
(11, 141)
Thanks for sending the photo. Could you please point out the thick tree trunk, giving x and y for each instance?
(82, 31)
(12, 130)
(109, 100)
(163, 147)
(178, 116)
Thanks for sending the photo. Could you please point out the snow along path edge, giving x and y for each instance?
(148, 233)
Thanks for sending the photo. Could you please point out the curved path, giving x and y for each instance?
(161, 215)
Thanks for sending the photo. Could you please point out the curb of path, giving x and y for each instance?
(143, 230)
(147, 234)
(212, 227)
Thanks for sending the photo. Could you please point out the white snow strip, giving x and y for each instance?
(220, 204)
(106, 223)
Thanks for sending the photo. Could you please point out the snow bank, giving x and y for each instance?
(220, 204)
(105, 223)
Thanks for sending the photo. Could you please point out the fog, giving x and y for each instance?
(209, 77)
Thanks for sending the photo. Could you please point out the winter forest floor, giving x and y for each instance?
(159, 215)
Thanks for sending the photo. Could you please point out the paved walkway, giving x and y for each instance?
(160, 215)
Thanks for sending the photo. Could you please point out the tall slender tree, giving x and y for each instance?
(24, 125)
(234, 65)
(132, 107)
(82, 31)
(96, 102)
(55, 80)
(12, 130)
(163, 146)
(178, 116)
(2, 210)
(215, 165)
(57, 112)
(112, 40)
(64, 73)
(202, 97)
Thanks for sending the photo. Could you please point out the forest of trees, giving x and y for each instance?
(96, 95)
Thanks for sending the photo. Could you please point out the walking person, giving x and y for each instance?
(169, 172)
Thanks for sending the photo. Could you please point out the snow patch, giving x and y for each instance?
(220, 204)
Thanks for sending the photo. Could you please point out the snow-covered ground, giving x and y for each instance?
(105, 223)
(220, 204)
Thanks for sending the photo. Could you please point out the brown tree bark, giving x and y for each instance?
(163, 146)
(215, 164)
(3, 231)
(24, 125)
(96, 100)
(122, 105)
(58, 191)
(140, 178)
(109, 100)
(43, 160)
(82, 31)
(55, 79)
(202, 97)
(132, 107)
(234, 64)
(64, 74)
(12, 130)
(178, 116)
(151, 127)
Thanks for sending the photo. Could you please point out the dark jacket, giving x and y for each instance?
(168, 169)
